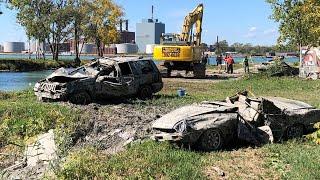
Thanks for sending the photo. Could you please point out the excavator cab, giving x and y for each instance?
(171, 38)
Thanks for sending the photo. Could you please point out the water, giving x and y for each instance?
(212, 60)
(15, 81)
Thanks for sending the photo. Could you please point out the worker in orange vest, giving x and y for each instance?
(230, 63)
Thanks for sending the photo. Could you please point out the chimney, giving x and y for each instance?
(152, 12)
(127, 24)
(120, 25)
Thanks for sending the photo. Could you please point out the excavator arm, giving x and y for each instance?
(193, 18)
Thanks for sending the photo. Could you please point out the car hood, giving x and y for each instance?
(186, 113)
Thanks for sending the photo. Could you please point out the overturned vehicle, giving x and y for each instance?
(212, 125)
(100, 79)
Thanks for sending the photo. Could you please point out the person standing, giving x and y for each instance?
(219, 63)
(226, 63)
(205, 59)
(230, 63)
(246, 64)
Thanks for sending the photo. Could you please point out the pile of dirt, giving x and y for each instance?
(114, 126)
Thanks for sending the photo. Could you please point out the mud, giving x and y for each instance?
(114, 126)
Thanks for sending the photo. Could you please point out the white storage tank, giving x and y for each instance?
(13, 47)
(87, 48)
(149, 48)
(127, 48)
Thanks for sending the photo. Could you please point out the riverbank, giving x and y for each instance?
(26, 65)
(86, 134)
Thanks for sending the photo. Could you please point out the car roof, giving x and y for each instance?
(288, 104)
(120, 59)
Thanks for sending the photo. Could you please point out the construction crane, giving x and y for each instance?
(183, 51)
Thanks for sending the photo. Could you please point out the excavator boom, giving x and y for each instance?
(193, 18)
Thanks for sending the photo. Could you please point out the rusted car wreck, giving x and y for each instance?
(100, 79)
(211, 125)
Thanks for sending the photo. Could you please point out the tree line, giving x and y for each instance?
(247, 48)
(56, 21)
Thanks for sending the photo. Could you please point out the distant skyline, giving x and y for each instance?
(244, 21)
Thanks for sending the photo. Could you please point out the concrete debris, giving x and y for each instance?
(44, 149)
(37, 159)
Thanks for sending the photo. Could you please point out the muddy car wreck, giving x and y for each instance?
(212, 125)
(103, 78)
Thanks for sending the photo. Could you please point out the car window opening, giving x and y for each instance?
(125, 68)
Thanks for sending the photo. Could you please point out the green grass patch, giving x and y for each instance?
(294, 159)
(149, 160)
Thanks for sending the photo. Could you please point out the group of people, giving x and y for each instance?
(229, 61)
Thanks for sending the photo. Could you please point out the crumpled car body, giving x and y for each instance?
(256, 120)
(100, 79)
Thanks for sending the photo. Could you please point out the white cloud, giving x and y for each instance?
(251, 32)
(252, 29)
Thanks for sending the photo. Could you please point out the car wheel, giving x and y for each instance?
(145, 93)
(294, 131)
(82, 98)
(211, 140)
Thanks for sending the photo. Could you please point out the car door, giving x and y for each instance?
(146, 71)
(111, 84)
(128, 78)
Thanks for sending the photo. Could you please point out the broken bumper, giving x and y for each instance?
(167, 137)
(53, 96)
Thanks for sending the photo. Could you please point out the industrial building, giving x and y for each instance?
(88, 48)
(125, 35)
(13, 47)
(148, 32)
(1, 48)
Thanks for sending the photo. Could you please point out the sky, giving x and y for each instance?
(244, 21)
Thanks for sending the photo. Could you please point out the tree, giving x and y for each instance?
(221, 47)
(299, 21)
(45, 20)
(80, 19)
(104, 16)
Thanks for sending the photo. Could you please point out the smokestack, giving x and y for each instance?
(152, 12)
(120, 25)
(127, 24)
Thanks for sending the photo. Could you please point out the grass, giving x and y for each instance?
(23, 117)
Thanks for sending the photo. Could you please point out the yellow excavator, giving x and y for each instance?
(183, 51)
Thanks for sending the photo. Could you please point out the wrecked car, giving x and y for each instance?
(100, 79)
(212, 125)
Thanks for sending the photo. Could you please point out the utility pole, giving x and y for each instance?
(217, 45)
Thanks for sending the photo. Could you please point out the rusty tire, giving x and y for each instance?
(294, 131)
(81, 98)
(211, 140)
(145, 92)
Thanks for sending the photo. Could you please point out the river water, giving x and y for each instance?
(15, 81)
